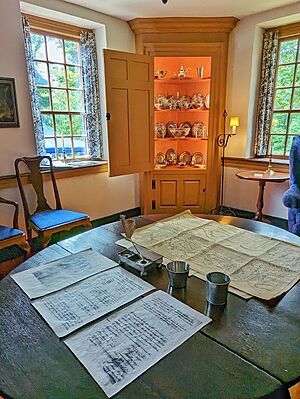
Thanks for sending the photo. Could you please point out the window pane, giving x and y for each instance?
(283, 98)
(48, 125)
(59, 100)
(55, 49)
(60, 148)
(41, 74)
(77, 125)
(68, 147)
(72, 52)
(279, 123)
(285, 75)
(57, 75)
(278, 145)
(74, 78)
(288, 145)
(297, 81)
(296, 99)
(288, 51)
(44, 99)
(75, 101)
(294, 126)
(50, 147)
(80, 147)
(38, 46)
(62, 125)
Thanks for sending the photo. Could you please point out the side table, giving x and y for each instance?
(262, 179)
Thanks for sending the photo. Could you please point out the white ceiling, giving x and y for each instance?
(129, 9)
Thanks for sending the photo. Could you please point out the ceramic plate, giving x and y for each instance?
(206, 101)
(160, 130)
(171, 156)
(160, 159)
(198, 129)
(170, 125)
(185, 156)
(197, 101)
(197, 158)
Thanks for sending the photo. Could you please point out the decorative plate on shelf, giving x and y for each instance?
(184, 102)
(160, 102)
(185, 156)
(197, 101)
(185, 125)
(160, 159)
(206, 101)
(171, 156)
(171, 102)
(170, 125)
(197, 158)
(198, 129)
(160, 130)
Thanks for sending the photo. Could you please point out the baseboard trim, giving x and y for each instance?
(279, 222)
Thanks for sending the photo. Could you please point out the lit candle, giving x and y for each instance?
(234, 122)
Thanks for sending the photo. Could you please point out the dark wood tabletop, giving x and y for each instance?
(250, 350)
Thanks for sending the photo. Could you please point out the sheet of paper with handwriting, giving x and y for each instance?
(118, 349)
(87, 300)
(260, 266)
(53, 276)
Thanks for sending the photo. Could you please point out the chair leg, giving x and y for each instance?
(29, 236)
(26, 248)
(88, 226)
(45, 239)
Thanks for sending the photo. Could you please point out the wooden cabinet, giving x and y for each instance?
(168, 43)
(174, 192)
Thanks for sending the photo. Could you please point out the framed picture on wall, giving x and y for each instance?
(8, 103)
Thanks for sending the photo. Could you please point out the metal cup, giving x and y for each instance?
(178, 273)
(217, 288)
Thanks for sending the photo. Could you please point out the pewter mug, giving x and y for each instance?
(178, 273)
(217, 288)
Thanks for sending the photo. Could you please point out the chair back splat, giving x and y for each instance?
(36, 179)
(45, 220)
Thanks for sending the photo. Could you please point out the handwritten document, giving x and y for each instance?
(53, 276)
(121, 347)
(85, 301)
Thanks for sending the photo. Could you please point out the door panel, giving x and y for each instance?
(129, 97)
(174, 193)
(190, 192)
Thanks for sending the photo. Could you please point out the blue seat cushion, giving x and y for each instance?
(291, 198)
(8, 232)
(55, 218)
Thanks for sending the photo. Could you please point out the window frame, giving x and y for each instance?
(286, 33)
(49, 28)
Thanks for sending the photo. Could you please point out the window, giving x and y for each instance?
(286, 107)
(59, 85)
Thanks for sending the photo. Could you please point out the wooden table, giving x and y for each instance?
(262, 179)
(250, 350)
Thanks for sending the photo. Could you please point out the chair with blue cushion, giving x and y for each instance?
(10, 236)
(291, 198)
(45, 221)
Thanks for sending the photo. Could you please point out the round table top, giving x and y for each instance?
(258, 175)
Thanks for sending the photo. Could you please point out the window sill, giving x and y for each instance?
(280, 165)
(80, 169)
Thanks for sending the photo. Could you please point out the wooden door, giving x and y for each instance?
(129, 98)
(173, 193)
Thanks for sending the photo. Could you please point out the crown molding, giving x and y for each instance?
(183, 25)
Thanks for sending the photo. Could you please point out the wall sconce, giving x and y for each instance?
(222, 141)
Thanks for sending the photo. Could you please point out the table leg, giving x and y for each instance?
(260, 201)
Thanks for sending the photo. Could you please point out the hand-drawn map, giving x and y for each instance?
(260, 266)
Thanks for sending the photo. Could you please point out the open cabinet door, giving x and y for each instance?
(129, 97)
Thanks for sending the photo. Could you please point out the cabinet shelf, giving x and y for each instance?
(181, 81)
(180, 139)
(181, 110)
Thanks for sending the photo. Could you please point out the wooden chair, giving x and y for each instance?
(13, 236)
(46, 221)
